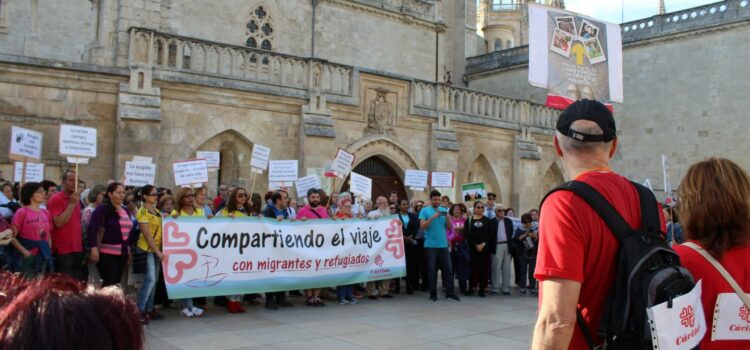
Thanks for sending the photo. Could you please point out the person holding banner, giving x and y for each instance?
(345, 294)
(110, 235)
(201, 201)
(277, 209)
(379, 288)
(32, 226)
(67, 241)
(149, 243)
(433, 220)
(410, 227)
(186, 207)
(238, 205)
(715, 207)
(313, 211)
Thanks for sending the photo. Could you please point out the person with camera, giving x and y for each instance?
(433, 221)
(527, 240)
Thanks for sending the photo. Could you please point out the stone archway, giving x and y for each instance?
(384, 178)
(552, 177)
(481, 170)
(235, 153)
(387, 150)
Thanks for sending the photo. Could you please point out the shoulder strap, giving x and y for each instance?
(614, 221)
(649, 209)
(740, 293)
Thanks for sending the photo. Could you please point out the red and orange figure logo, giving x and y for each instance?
(395, 243)
(175, 248)
(687, 317)
(745, 313)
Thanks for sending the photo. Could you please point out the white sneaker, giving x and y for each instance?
(186, 313)
(197, 312)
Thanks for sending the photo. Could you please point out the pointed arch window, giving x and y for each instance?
(260, 29)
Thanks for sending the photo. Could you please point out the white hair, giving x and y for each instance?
(573, 146)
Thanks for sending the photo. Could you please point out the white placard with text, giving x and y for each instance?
(260, 157)
(77, 141)
(213, 159)
(190, 172)
(360, 185)
(34, 172)
(282, 170)
(416, 178)
(139, 174)
(342, 164)
(306, 183)
(25, 143)
(441, 179)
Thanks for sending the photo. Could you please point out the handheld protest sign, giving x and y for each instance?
(342, 163)
(416, 180)
(190, 172)
(32, 172)
(213, 159)
(24, 144)
(77, 141)
(473, 191)
(441, 179)
(360, 185)
(139, 174)
(283, 170)
(306, 183)
(260, 158)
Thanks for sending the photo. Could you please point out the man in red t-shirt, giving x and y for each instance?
(577, 251)
(67, 237)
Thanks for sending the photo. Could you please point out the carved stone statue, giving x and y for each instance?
(380, 119)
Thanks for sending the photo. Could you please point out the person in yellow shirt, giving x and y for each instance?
(185, 206)
(149, 242)
(238, 205)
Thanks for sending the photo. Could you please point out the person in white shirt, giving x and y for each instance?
(502, 227)
(379, 288)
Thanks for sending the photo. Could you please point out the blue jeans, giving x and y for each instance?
(439, 257)
(345, 292)
(148, 289)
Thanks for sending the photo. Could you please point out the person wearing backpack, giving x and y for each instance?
(584, 270)
(715, 208)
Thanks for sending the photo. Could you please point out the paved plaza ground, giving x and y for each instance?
(405, 322)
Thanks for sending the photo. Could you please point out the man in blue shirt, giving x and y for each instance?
(433, 220)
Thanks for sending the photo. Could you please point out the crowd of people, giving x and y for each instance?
(568, 255)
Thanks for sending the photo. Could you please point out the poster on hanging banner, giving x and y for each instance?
(139, 174)
(679, 326)
(307, 183)
(213, 159)
(282, 170)
(225, 256)
(360, 185)
(259, 159)
(574, 57)
(416, 179)
(441, 179)
(77, 141)
(25, 143)
(342, 164)
(190, 172)
(474, 191)
(34, 172)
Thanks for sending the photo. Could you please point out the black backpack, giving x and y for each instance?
(648, 271)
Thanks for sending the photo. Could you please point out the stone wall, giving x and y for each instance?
(685, 96)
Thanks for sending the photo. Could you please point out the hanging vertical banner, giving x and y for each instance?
(665, 172)
(574, 57)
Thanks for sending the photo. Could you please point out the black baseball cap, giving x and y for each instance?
(586, 109)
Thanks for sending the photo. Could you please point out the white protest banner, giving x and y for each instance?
(360, 185)
(342, 164)
(731, 318)
(441, 179)
(213, 159)
(77, 141)
(34, 172)
(416, 179)
(665, 173)
(25, 143)
(141, 159)
(680, 326)
(282, 170)
(139, 174)
(259, 160)
(574, 56)
(225, 256)
(190, 172)
(306, 183)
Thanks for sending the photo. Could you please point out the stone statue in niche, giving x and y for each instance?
(380, 118)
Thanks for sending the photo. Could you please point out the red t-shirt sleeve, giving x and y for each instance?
(561, 244)
(55, 205)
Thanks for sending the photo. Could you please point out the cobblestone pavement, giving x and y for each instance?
(404, 322)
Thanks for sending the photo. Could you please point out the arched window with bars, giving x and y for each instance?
(260, 29)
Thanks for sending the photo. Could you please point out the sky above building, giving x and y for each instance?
(612, 10)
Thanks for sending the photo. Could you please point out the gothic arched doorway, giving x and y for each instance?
(384, 178)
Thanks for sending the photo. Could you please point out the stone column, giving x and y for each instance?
(444, 151)
(526, 182)
(316, 137)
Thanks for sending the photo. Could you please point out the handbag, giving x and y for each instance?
(724, 273)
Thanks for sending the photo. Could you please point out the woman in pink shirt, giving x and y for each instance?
(458, 247)
(32, 226)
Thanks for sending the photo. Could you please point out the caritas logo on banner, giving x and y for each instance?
(681, 326)
(731, 318)
(574, 57)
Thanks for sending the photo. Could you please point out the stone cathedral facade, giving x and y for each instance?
(398, 83)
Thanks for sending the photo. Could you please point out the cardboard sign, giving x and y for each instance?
(77, 141)
(441, 179)
(139, 174)
(190, 172)
(260, 157)
(680, 326)
(282, 170)
(731, 318)
(34, 172)
(213, 159)
(416, 179)
(360, 185)
(342, 164)
(306, 183)
(25, 143)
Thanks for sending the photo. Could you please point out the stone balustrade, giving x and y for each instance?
(171, 52)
